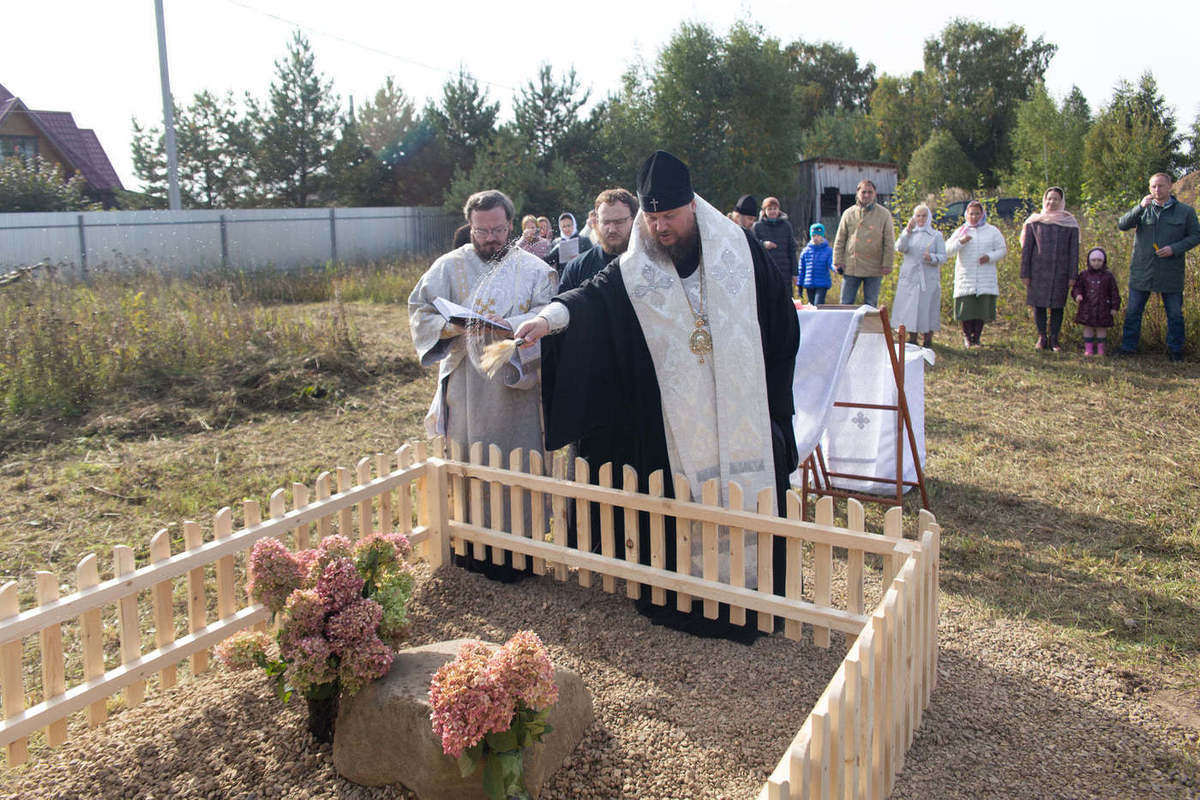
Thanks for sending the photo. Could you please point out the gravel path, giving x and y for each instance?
(676, 716)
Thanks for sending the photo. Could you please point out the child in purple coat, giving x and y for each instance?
(1098, 297)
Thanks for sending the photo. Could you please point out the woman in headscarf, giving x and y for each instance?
(918, 301)
(978, 245)
(1049, 264)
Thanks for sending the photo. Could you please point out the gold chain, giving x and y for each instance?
(700, 340)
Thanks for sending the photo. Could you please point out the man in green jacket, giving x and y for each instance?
(1165, 229)
(863, 248)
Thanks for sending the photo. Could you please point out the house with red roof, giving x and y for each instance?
(54, 136)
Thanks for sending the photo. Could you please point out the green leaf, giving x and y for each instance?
(493, 779)
(468, 762)
(504, 741)
(512, 765)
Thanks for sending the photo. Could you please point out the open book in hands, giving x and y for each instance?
(461, 315)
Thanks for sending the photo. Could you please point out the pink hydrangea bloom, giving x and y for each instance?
(466, 702)
(353, 623)
(309, 663)
(243, 650)
(362, 662)
(307, 559)
(274, 573)
(523, 666)
(339, 585)
(304, 615)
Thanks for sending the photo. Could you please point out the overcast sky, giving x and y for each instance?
(99, 60)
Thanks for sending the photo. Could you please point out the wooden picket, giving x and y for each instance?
(852, 745)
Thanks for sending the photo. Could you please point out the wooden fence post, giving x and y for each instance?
(604, 478)
(794, 576)
(583, 520)
(386, 521)
(363, 476)
(404, 506)
(128, 626)
(300, 500)
(710, 495)
(438, 511)
(197, 605)
(822, 567)
(91, 629)
(516, 505)
(475, 493)
(658, 535)
(324, 526)
(11, 681)
(163, 606)
(633, 541)
(558, 506)
(855, 521)
(496, 501)
(277, 507)
(54, 679)
(766, 568)
(346, 515)
(737, 553)
(537, 509)
(226, 603)
(683, 542)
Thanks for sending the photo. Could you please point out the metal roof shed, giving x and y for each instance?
(825, 187)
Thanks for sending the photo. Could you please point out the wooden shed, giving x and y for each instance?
(825, 187)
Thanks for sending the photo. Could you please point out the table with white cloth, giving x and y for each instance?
(837, 362)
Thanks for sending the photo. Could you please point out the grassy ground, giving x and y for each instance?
(1067, 488)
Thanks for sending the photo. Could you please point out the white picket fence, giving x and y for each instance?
(852, 745)
(179, 241)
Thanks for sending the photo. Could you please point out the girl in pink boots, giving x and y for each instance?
(1098, 297)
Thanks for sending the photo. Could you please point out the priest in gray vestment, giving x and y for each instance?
(496, 280)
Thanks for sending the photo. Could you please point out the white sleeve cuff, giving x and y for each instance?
(557, 316)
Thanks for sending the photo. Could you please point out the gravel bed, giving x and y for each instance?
(676, 716)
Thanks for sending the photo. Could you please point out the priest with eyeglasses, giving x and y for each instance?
(678, 356)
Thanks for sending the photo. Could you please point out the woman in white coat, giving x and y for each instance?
(978, 246)
(918, 301)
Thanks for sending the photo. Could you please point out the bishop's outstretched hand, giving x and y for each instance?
(531, 330)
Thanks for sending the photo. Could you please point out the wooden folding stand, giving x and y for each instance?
(814, 465)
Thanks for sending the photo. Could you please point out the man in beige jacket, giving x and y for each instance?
(862, 251)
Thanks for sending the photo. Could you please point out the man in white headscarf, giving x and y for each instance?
(678, 355)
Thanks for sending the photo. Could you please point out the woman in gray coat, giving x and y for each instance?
(1049, 264)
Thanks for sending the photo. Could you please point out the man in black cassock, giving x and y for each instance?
(677, 356)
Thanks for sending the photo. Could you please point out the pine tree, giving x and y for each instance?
(297, 129)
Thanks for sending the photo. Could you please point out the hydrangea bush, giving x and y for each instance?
(487, 707)
(341, 608)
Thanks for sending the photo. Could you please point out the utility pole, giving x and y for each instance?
(168, 112)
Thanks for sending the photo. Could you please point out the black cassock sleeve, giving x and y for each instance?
(599, 387)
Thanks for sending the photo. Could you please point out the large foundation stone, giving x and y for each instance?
(384, 735)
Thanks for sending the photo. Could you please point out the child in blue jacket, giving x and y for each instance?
(816, 266)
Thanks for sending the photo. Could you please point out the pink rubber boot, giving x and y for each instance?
(1089, 348)
(1100, 348)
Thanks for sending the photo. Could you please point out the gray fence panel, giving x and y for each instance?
(180, 241)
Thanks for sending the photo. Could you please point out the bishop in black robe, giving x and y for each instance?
(599, 387)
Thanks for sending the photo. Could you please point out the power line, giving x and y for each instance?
(369, 48)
